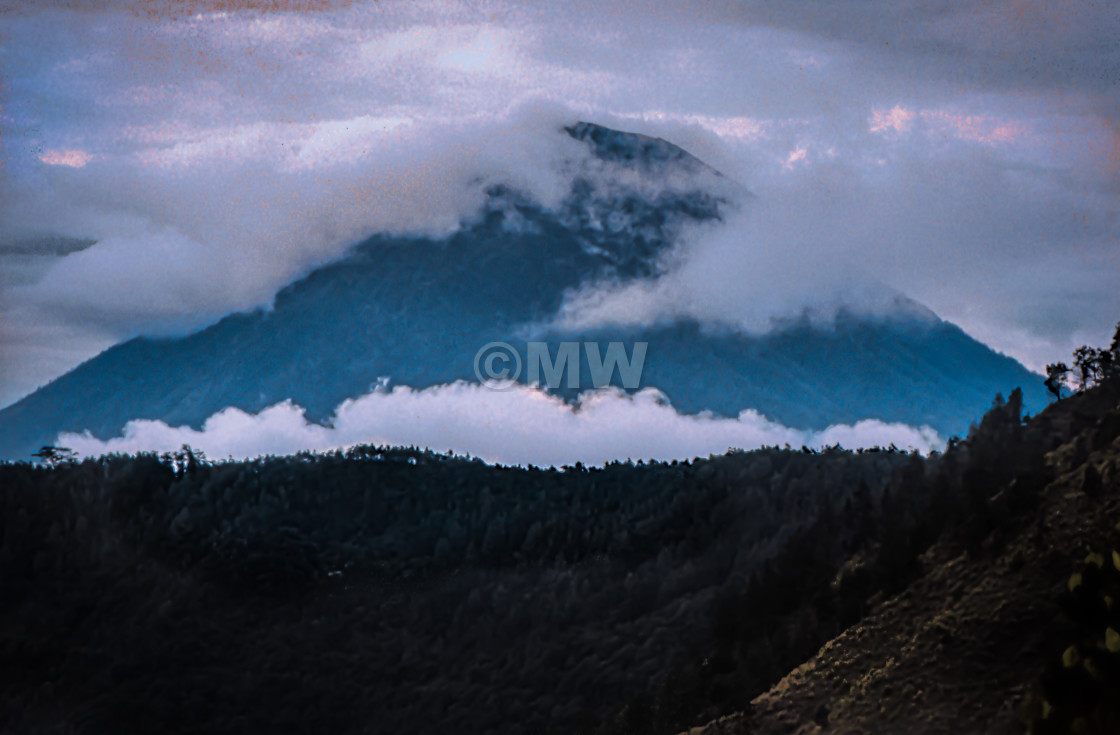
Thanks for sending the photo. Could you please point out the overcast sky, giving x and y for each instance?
(966, 154)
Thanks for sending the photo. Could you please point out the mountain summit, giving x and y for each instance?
(416, 310)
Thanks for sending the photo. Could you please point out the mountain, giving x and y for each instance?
(416, 310)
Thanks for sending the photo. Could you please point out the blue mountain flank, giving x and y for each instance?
(417, 309)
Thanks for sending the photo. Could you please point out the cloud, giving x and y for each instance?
(980, 128)
(896, 118)
(965, 154)
(190, 232)
(520, 426)
(977, 217)
(753, 273)
(73, 159)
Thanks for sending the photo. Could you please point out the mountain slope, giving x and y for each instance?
(416, 310)
(959, 649)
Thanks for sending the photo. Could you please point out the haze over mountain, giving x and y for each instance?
(610, 258)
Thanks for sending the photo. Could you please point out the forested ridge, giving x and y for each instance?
(493, 594)
(397, 590)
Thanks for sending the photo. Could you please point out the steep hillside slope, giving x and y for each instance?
(959, 649)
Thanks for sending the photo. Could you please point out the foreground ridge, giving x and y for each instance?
(961, 648)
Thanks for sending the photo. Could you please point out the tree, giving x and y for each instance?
(54, 456)
(1110, 367)
(1090, 362)
(1093, 365)
(1056, 377)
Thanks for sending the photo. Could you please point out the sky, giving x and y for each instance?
(965, 154)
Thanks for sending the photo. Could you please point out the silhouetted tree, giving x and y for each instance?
(1110, 363)
(1088, 362)
(1056, 377)
(1093, 366)
(53, 456)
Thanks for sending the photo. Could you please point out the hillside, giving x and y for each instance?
(960, 649)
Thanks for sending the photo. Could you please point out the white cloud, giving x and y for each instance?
(190, 232)
(753, 273)
(517, 426)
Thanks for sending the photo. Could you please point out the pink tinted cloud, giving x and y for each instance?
(797, 154)
(896, 118)
(72, 158)
(985, 129)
